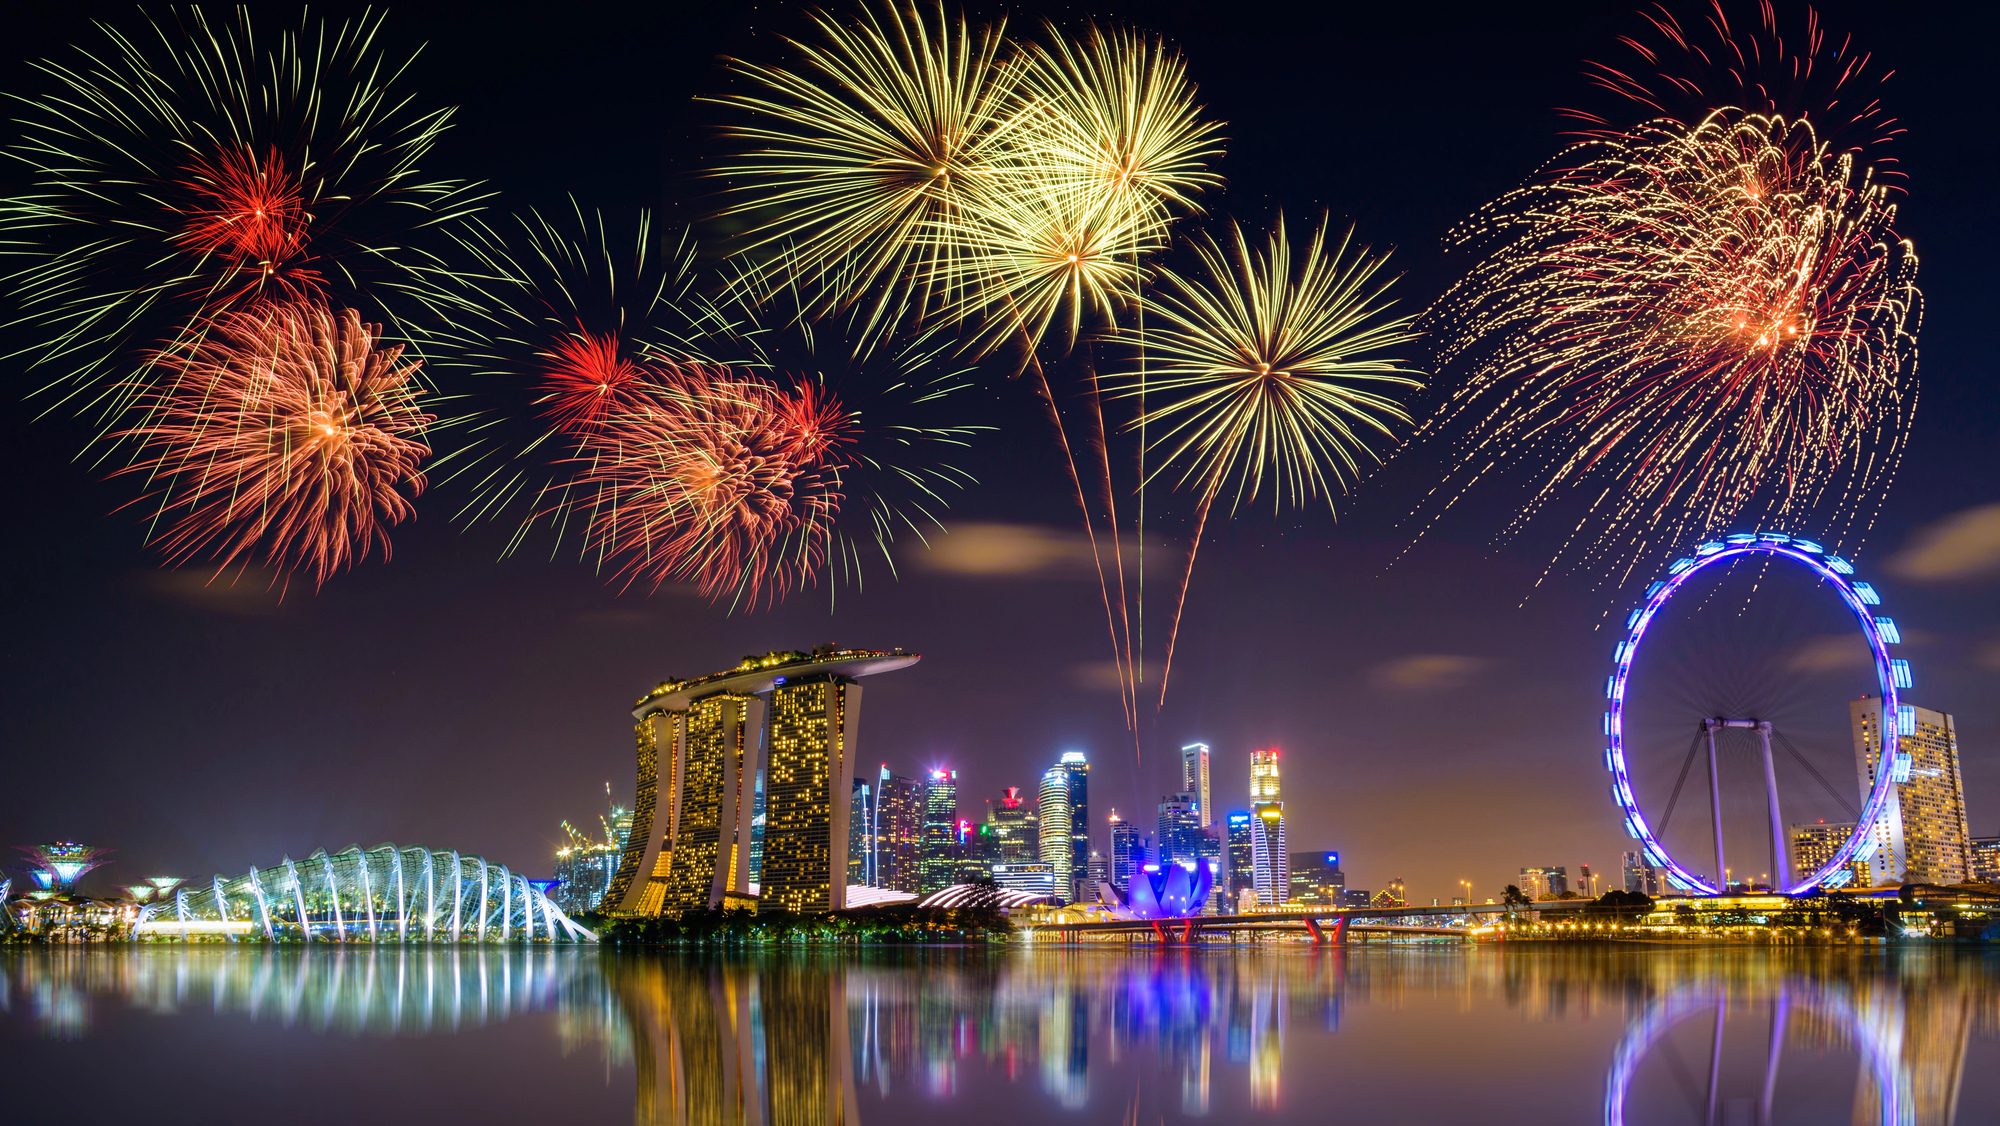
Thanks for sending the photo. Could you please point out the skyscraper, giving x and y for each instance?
(862, 835)
(899, 803)
(1546, 882)
(1316, 877)
(1986, 859)
(1077, 768)
(1644, 879)
(1241, 875)
(1054, 827)
(1270, 864)
(694, 837)
(1124, 852)
(1814, 843)
(1178, 828)
(937, 858)
(1194, 779)
(1013, 828)
(1921, 835)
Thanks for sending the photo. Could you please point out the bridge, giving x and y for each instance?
(1328, 925)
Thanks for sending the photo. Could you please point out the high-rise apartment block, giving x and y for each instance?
(1921, 836)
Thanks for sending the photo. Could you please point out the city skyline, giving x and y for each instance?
(445, 658)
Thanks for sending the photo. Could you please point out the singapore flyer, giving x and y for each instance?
(1890, 674)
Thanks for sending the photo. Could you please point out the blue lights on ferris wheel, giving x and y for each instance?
(1892, 674)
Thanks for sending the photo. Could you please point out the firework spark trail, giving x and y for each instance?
(1269, 369)
(197, 168)
(1707, 327)
(288, 434)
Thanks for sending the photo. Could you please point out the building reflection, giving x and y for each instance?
(796, 1038)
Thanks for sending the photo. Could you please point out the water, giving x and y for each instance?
(1374, 1034)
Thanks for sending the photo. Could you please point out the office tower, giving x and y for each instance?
(808, 785)
(1641, 878)
(1316, 878)
(1031, 876)
(1124, 852)
(1985, 860)
(1921, 836)
(937, 858)
(1178, 828)
(899, 804)
(1270, 864)
(861, 835)
(1014, 829)
(1194, 779)
(1054, 828)
(757, 826)
(1546, 882)
(1240, 875)
(1096, 871)
(1077, 768)
(694, 838)
(1814, 844)
(1264, 775)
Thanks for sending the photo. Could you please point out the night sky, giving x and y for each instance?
(1434, 726)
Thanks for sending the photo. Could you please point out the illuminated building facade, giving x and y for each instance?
(862, 821)
(1270, 864)
(1178, 830)
(938, 851)
(1194, 780)
(899, 830)
(381, 894)
(1240, 873)
(1124, 850)
(1986, 859)
(1075, 771)
(1642, 878)
(1921, 835)
(1054, 827)
(1546, 882)
(1815, 843)
(585, 865)
(1316, 878)
(789, 719)
(1013, 829)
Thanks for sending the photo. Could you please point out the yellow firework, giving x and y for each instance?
(1268, 369)
(1114, 117)
(858, 157)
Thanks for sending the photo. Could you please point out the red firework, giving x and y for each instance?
(587, 380)
(724, 479)
(1685, 71)
(289, 434)
(251, 215)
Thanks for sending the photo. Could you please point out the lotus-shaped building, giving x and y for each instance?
(382, 894)
(1172, 891)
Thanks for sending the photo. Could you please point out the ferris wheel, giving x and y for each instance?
(1891, 674)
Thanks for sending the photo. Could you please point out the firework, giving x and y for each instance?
(1114, 118)
(1268, 371)
(1685, 71)
(569, 316)
(288, 435)
(1690, 329)
(1267, 368)
(196, 169)
(872, 139)
(728, 481)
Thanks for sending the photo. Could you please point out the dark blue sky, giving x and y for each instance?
(1434, 728)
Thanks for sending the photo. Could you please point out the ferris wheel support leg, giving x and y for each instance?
(1715, 808)
(1715, 1062)
(1781, 863)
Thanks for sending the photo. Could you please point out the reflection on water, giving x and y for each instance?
(1729, 1035)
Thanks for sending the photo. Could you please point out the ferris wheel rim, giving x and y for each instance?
(1892, 674)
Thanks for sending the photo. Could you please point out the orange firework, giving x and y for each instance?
(289, 435)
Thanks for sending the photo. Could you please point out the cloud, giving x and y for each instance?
(1009, 551)
(1964, 545)
(1427, 672)
(250, 593)
(1832, 653)
(1097, 676)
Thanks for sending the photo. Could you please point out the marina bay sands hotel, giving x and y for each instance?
(701, 742)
